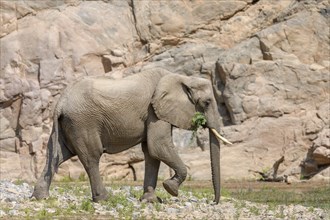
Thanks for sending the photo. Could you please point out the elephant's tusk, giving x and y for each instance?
(220, 137)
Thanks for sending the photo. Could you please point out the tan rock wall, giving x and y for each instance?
(270, 61)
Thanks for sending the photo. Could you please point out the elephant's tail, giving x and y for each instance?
(56, 148)
(55, 140)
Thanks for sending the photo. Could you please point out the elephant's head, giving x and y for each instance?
(176, 100)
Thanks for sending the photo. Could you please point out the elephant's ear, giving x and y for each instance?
(172, 101)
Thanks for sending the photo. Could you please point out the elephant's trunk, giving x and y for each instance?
(215, 164)
(213, 124)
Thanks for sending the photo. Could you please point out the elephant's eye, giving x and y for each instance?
(207, 103)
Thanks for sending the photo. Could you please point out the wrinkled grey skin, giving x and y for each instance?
(100, 115)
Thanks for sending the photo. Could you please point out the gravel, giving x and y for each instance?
(74, 202)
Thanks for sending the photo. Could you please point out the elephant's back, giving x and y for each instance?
(76, 101)
(105, 103)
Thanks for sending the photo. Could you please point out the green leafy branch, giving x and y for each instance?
(198, 120)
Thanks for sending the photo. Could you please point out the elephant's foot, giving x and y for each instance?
(41, 191)
(101, 197)
(150, 196)
(172, 186)
(40, 194)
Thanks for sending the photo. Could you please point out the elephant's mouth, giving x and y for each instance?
(219, 136)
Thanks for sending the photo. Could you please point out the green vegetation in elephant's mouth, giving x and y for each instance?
(198, 120)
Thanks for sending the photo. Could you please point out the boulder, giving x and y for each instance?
(321, 146)
(321, 156)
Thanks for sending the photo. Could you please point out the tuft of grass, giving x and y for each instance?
(199, 192)
(27, 211)
(69, 210)
(165, 196)
(157, 206)
(280, 214)
(239, 205)
(18, 182)
(52, 202)
(43, 214)
(87, 206)
(77, 188)
(82, 177)
(66, 179)
(254, 210)
(225, 192)
(114, 200)
(121, 203)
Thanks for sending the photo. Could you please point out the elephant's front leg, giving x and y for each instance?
(150, 176)
(161, 147)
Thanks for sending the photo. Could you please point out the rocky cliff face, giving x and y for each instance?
(269, 61)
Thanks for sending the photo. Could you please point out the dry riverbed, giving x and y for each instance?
(71, 200)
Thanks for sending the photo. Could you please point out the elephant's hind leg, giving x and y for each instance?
(99, 192)
(90, 151)
(161, 147)
(41, 189)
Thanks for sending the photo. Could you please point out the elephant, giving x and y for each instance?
(97, 115)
